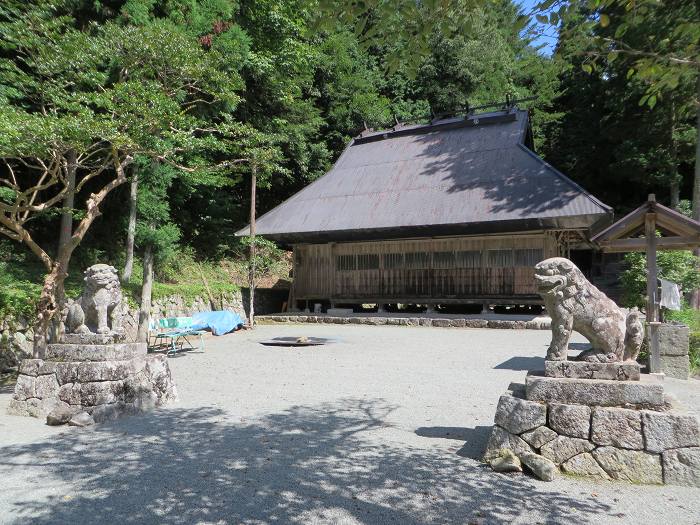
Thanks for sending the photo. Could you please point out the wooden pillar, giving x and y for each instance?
(652, 287)
(652, 272)
(251, 275)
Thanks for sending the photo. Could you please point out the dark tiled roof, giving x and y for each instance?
(456, 176)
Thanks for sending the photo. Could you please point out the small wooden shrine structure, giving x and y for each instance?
(637, 232)
(455, 211)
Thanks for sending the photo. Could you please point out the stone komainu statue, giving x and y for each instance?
(575, 304)
(99, 308)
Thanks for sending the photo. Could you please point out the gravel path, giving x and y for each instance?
(384, 426)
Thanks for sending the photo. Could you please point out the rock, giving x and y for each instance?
(101, 392)
(563, 448)
(476, 323)
(540, 466)
(518, 415)
(677, 366)
(81, 419)
(25, 387)
(625, 371)
(648, 391)
(30, 367)
(22, 345)
(538, 437)
(570, 420)
(584, 465)
(70, 393)
(506, 461)
(59, 416)
(505, 324)
(674, 339)
(618, 427)
(160, 379)
(682, 466)
(501, 439)
(105, 370)
(46, 386)
(634, 466)
(663, 431)
(67, 372)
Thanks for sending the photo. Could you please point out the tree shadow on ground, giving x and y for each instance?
(334, 462)
(521, 363)
(475, 438)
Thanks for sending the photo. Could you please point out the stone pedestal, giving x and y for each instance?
(105, 380)
(599, 428)
(673, 342)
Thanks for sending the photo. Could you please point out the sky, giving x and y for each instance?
(548, 38)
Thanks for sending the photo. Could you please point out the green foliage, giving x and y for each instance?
(268, 259)
(691, 318)
(681, 267)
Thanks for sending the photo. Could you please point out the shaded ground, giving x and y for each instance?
(381, 427)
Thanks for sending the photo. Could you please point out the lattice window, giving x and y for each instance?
(367, 261)
(529, 256)
(444, 260)
(500, 258)
(392, 261)
(418, 260)
(345, 263)
(468, 259)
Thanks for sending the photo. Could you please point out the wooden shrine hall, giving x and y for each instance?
(455, 211)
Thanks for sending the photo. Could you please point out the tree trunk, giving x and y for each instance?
(66, 231)
(46, 308)
(695, 296)
(146, 292)
(131, 229)
(675, 191)
(251, 274)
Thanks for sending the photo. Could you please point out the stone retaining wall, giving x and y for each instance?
(535, 324)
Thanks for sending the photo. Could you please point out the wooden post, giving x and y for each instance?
(251, 269)
(652, 272)
(652, 287)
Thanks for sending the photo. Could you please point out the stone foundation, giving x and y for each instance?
(603, 429)
(674, 346)
(105, 380)
(540, 323)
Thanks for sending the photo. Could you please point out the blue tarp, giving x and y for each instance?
(220, 323)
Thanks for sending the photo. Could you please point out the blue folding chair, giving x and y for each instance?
(178, 331)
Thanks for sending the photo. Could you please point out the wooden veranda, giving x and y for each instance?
(478, 269)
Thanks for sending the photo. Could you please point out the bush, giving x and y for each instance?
(681, 267)
(695, 353)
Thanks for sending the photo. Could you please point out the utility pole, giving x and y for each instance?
(251, 265)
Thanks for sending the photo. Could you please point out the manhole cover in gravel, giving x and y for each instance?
(296, 341)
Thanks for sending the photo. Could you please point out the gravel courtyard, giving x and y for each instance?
(384, 426)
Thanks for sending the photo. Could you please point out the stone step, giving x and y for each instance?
(647, 392)
(94, 352)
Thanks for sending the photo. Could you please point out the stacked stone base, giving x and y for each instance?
(599, 428)
(105, 380)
